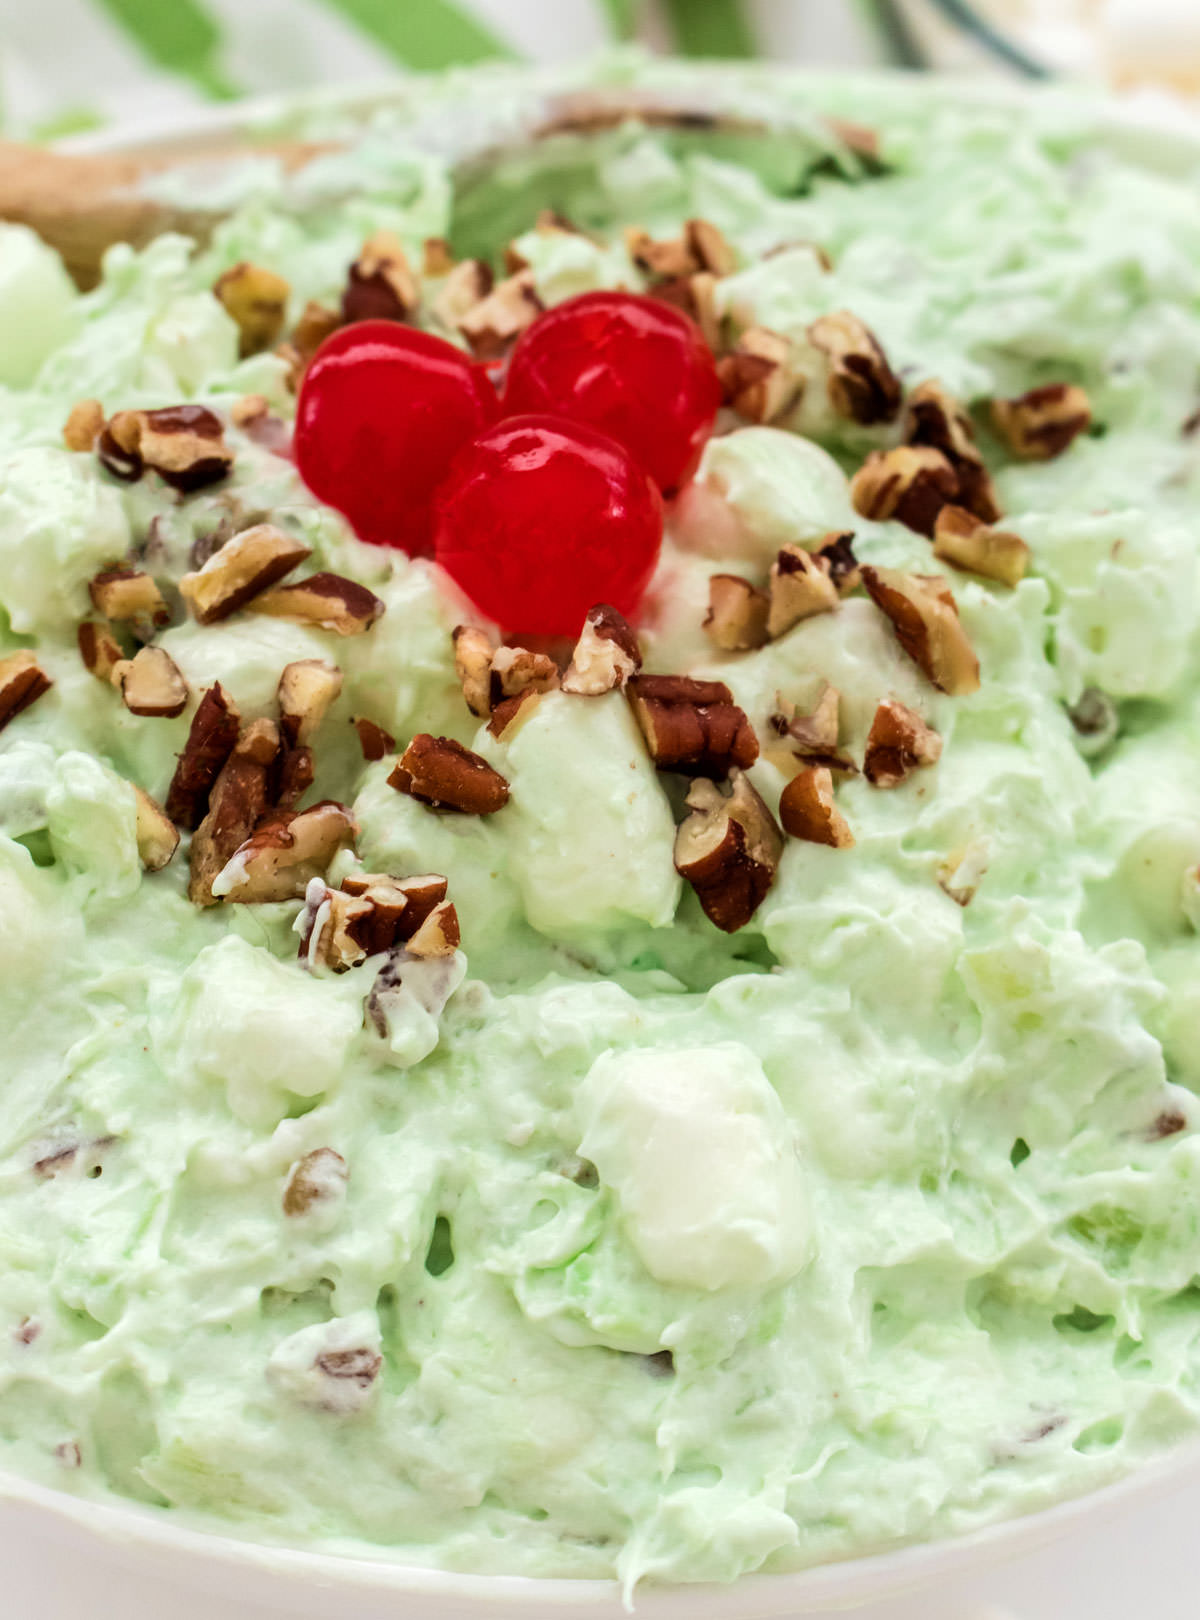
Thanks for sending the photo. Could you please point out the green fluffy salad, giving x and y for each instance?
(622, 1212)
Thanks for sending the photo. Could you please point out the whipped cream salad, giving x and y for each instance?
(701, 1083)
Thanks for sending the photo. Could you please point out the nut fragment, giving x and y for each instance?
(295, 773)
(237, 803)
(401, 905)
(22, 682)
(510, 714)
(211, 740)
(961, 873)
(606, 655)
(284, 853)
(693, 727)
(709, 247)
(256, 300)
(306, 690)
(516, 670)
(737, 613)
(381, 284)
(812, 737)
(935, 418)
(1041, 424)
(242, 569)
(756, 377)
(927, 626)
(702, 247)
(836, 551)
(441, 772)
(184, 444)
(324, 924)
(465, 287)
(157, 836)
(129, 595)
(375, 742)
(497, 320)
(910, 483)
(320, 1177)
(1096, 720)
(960, 538)
(807, 810)
(327, 601)
(800, 587)
(728, 849)
(316, 323)
(84, 425)
(473, 650)
(437, 257)
(862, 385)
(152, 684)
(438, 935)
(899, 742)
(99, 648)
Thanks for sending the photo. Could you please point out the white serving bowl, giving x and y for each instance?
(1122, 1553)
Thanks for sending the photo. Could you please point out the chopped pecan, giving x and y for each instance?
(437, 257)
(936, 419)
(960, 538)
(862, 386)
(375, 742)
(327, 601)
(836, 551)
(444, 774)
(184, 444)
(295, 773)
(899, 742)
(381, 286)
(800, 587)
(117, 446)
(1040, 425)
(497, 320)
(465, 287)
(256, 301)
(84, 425)
(248, 410)
(510, 714)
(401, 904)
(925, 617)
(709, 247)
(702, 247)
(157, 836)
(211, 740)
(320, 1177)
(473, 650)
(1096, 721)
(728, 849)
(244, 567)
(238, 801)
(324, 928)
(516, 670)
(737, 613)
(316, 323)
(306, 690)
(813, 737)
(284, 853)
(152, 684)
(807, 810)
(756, 377)
(129, 595)
(693, 727)
(910, 483)
(438, 935)
(703, 308)
(22, 682)
(606, 655)
(99, 648)
(961, 873)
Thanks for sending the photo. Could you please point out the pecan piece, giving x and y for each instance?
(728, 849)
(756, 378)
(1040, 425)
(606, 655)
(812, 737)
(709, 247)
(438, 935)
(836, 551)
(284, 853)
(400, 905)
(800, 587)
(316, 323)
(911, 484)
(295, 773)
(899, 742)
(807, 810)
(22, 682)
(324, 928)
(100, 650)
(737, 613)
(473, 650)
(925, 617)
(381, 285)
(157, 836)
(238, 801)
(306, 690)
(211, 740)
(84, 425)
(960, 538)
(464, 289)
(117, 446)
(516, 670)
(327, 601)
(152, 684)
(375, 742)
(320, 1177)
(510, 714)
(256, 301)
(184, 444)
(936, 419)
(441, 772)
(862, 386)
(437, 257)
(702, 247)
(244, 567)
(496, 321)
(693, 727)
(130, 596)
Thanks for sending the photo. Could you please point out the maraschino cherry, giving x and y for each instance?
(541, 518)
(382, 411)
(632, 367)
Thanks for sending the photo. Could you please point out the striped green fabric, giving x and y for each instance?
(424, 34)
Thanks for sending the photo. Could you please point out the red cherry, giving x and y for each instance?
(632, 367)
(383, 410)
(540, 519)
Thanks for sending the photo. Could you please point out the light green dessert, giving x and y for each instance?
(616, 1243)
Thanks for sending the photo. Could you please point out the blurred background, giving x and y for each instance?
(72, 65)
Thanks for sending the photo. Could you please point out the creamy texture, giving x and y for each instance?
(885, 1175)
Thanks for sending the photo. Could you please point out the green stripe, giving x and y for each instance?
(421, 33)
(622, 17)
(710, 28)
(179, 36)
